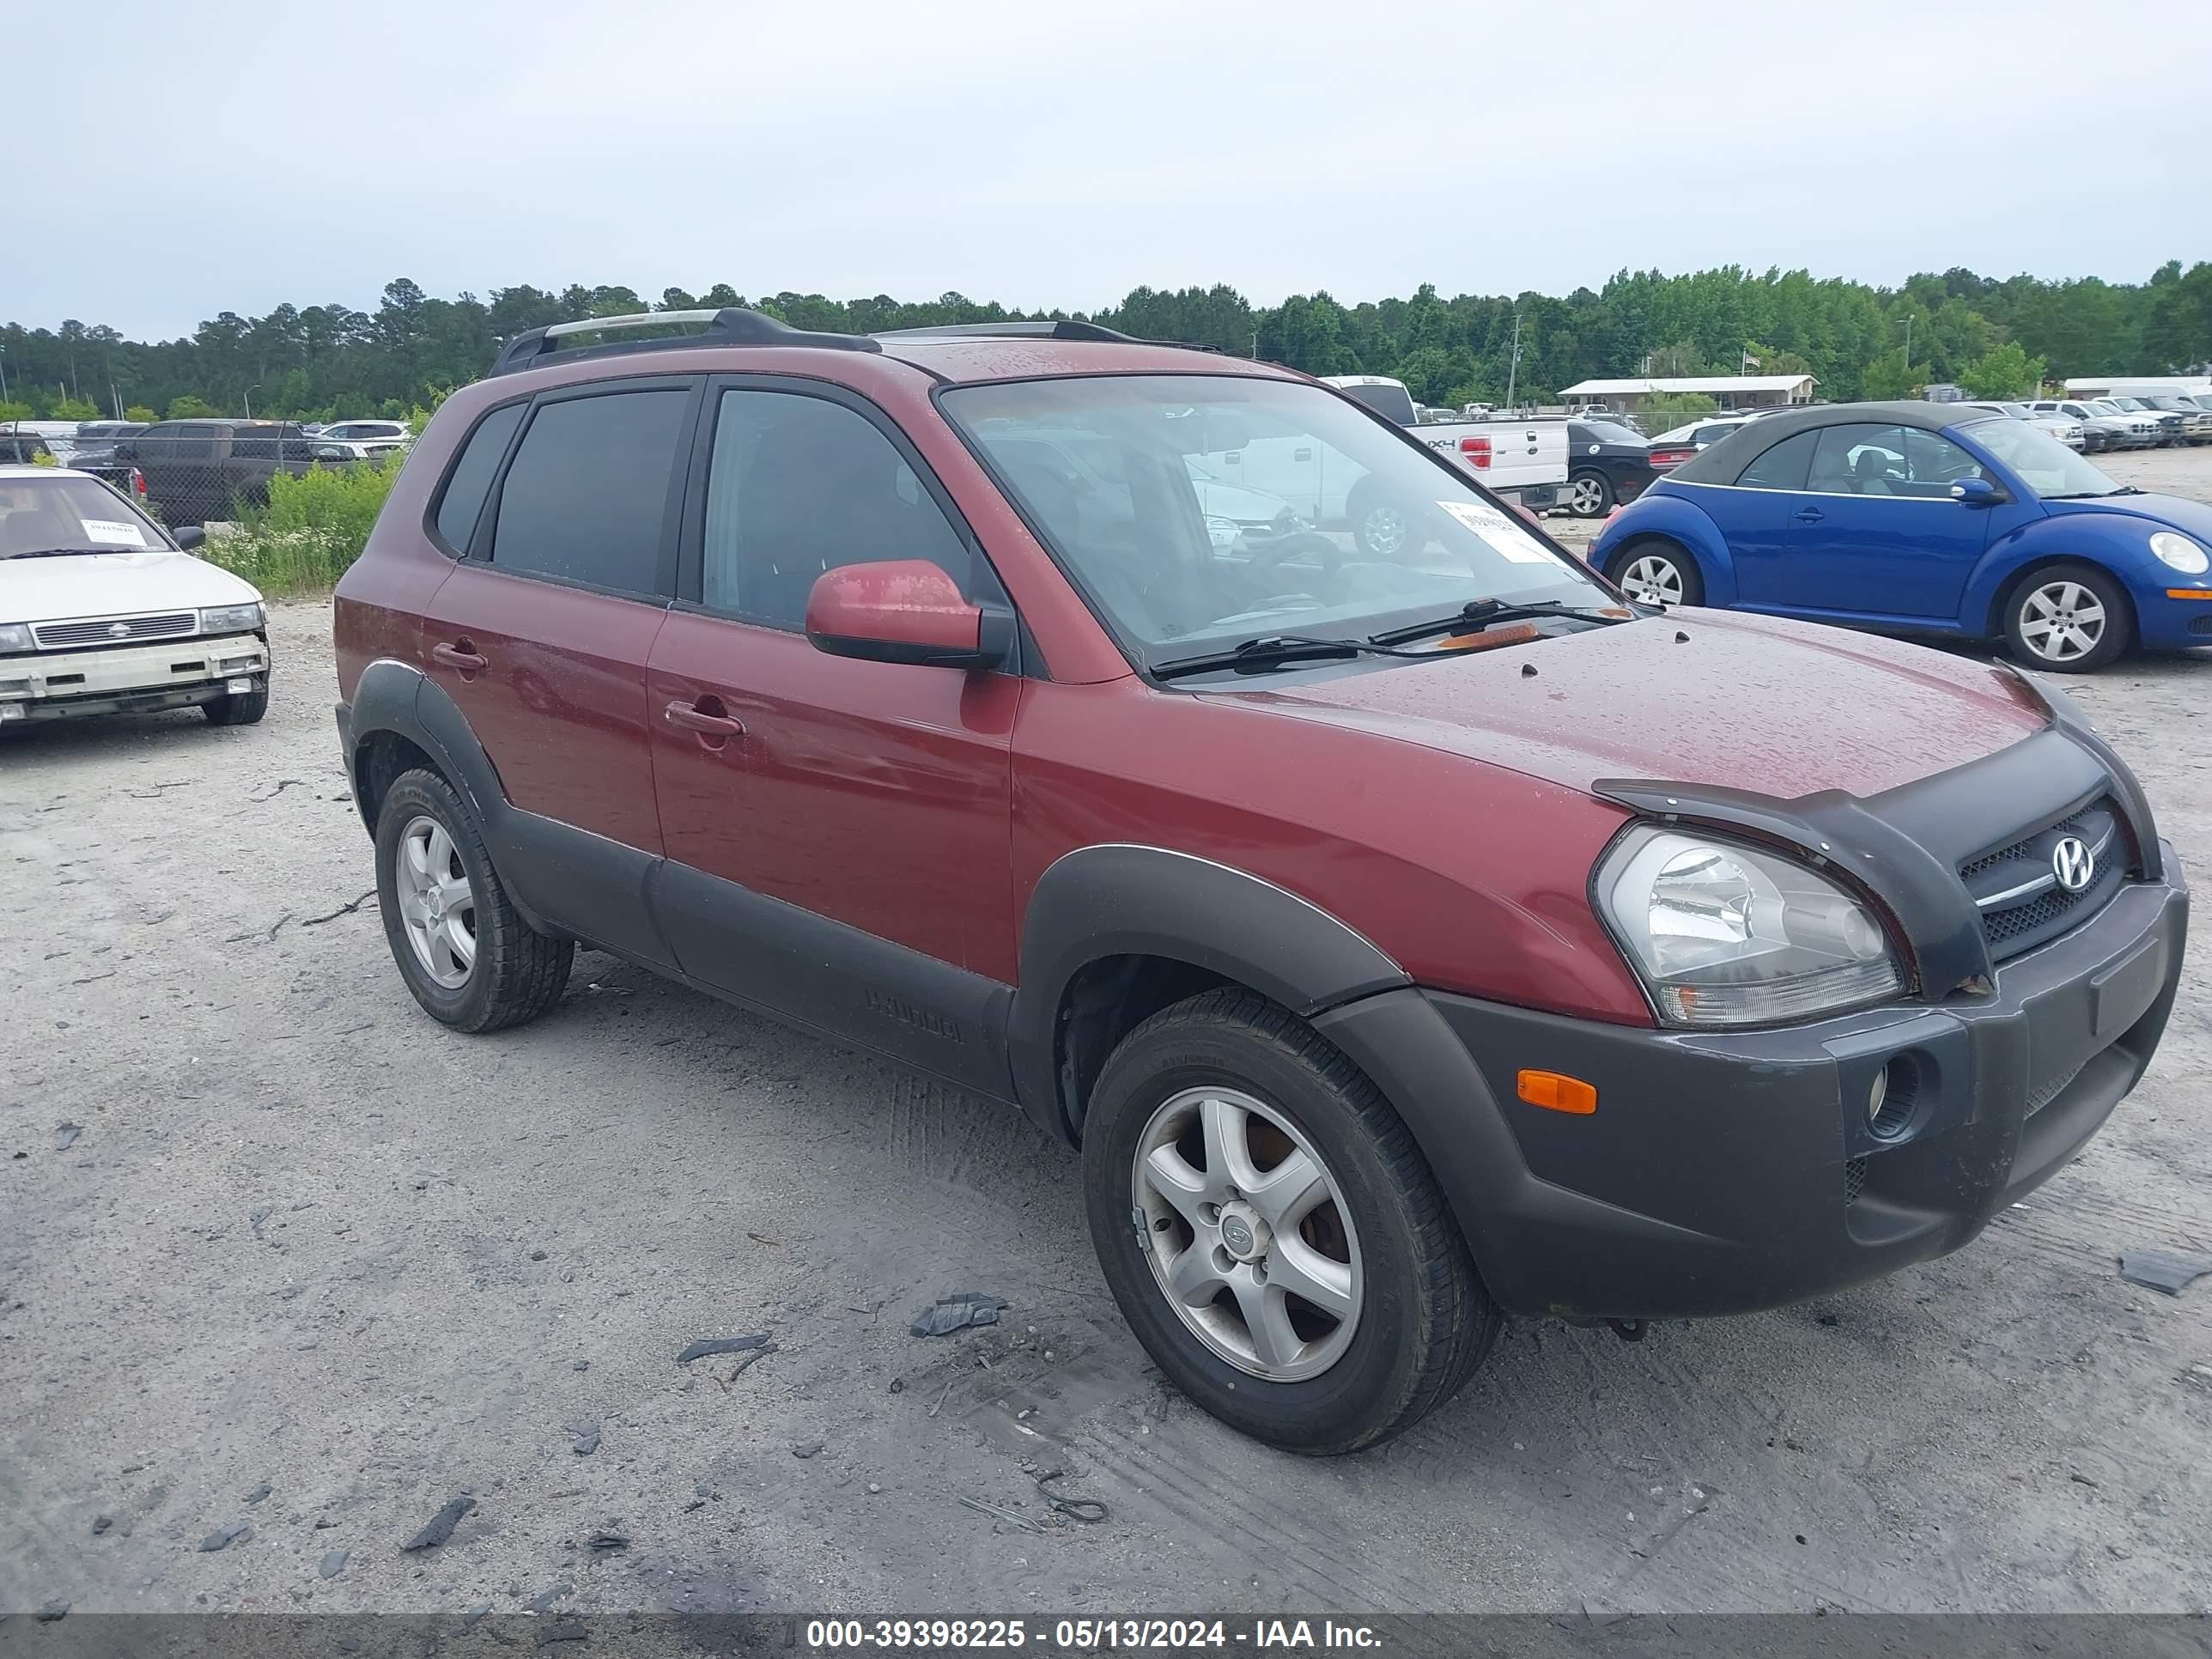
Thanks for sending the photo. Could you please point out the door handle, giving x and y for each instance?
(1302, 454)
(459, 656)
(1809, 515)
(694, 718)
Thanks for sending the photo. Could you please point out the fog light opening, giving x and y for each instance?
(1891, 1098)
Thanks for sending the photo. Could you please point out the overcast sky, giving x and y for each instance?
(177, 159)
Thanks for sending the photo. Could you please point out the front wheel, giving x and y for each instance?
(2069, 618)
(1658, 572)
(237, 709)
(1590, 494)
(1382, 528)
(1271, 1231)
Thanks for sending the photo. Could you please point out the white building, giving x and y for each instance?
(1729, 391)
(2099, 386)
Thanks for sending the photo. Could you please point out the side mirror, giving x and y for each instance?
(189, 537)
(904, 610)
(1976, 492)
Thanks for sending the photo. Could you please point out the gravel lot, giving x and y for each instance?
(305, 1243)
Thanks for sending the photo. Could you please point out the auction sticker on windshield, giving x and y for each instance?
(1509, 538)
(113, 532)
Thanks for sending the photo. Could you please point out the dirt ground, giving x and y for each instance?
(301, 1260)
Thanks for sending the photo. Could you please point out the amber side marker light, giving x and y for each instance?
(1556, 1093)
(2189, 592)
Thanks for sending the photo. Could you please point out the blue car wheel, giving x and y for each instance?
(2070, 618)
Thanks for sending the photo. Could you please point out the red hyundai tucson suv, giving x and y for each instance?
(1405, 940)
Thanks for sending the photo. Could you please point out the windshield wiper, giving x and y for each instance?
(58, 552)
(1479, 614)
(1277, 651)
(2094, 494)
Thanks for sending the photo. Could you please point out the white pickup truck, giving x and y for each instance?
(1524, 461)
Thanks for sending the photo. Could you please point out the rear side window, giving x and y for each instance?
(1782, 466)
(470, 481)
(587, 493)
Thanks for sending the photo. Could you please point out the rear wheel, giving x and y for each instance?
(465, 950)
(1590, 494)
(1655, 572)
(2069, 618)
(1271, 1232)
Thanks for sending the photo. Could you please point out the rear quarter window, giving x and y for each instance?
(461, 503)
(1780, 467)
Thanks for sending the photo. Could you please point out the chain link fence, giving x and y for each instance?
(198, 472)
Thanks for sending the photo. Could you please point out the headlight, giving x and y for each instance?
(2181, 552)
(231, 619)
(1724, 935)
(15, 636)
(1222, 533)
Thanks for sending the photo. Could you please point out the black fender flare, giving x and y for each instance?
(1118, 900)
(400, 698)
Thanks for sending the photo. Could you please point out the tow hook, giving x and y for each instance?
(1628, 1330)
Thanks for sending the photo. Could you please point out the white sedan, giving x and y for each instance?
(102, 610)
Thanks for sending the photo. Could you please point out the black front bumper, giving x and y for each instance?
(1726, 1172)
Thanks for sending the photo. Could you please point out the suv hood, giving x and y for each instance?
(1779, 708)
(114, 585)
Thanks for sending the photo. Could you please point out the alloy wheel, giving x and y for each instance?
(437, 905)
(1586, 496)
(1382, 531)
(2061, 621)
(1653, 579)
(1247, 1233)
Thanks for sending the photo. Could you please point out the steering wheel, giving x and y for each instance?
(1302, 546)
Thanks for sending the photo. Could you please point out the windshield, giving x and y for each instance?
(44, 515)
(2043, 464)
(1196, 511)
(2133, 405)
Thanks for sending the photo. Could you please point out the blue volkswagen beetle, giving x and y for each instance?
(1922, 518)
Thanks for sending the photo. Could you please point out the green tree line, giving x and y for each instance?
(1997, 336)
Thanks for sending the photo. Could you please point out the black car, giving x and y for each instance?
(1608, 463)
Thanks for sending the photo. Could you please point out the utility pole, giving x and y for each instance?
(1908, 343)
(1513, 366)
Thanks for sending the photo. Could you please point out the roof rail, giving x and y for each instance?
(732, 326)
(1065, 328)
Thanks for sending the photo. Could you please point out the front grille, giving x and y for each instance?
(2200, 624)
(1854, 1179)
(102, 630)
(2016, 890)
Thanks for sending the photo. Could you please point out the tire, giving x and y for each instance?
(2081, 608)
(241, 708)
(1590, 494)
(1419, 1319)
(1661, 569)
(1383, 527)
(512, 973)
